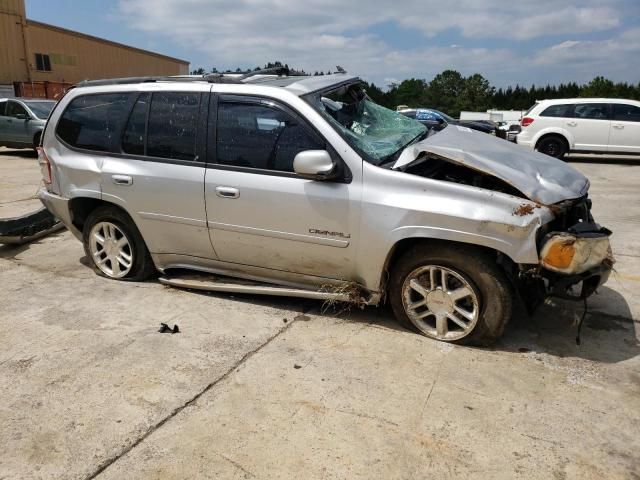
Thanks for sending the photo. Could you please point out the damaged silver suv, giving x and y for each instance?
(303, 186)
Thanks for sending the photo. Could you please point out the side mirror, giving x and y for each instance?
(314, 165)
(22, 116)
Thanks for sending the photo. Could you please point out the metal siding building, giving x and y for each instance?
(35, 51)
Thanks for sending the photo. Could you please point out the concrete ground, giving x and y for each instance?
(258, 387)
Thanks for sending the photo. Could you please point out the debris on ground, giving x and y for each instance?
(164, 328)
(29, 227)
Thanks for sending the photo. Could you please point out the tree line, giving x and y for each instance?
(451, 92)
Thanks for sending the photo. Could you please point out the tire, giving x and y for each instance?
(484, 303)
(554, 146)
(36, 140)
(121, 260)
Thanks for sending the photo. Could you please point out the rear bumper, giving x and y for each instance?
(59, 207)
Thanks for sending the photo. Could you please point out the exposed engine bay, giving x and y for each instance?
(431, 166)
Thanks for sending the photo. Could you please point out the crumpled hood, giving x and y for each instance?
(541, 178)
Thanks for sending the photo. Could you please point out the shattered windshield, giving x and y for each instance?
(375, 131)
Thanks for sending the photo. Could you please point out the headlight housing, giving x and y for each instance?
(573, 254)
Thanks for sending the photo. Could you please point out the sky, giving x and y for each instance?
(509, 41)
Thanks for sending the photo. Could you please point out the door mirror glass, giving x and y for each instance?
(314, 164)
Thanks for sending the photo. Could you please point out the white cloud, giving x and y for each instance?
(319, 34)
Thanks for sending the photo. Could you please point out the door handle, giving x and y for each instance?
(572, 124)
(618, 126)
(122, 179)
(227, 192)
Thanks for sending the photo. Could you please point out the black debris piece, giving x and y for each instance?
(164, 328)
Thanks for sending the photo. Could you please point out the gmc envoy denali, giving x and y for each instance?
(303, 186)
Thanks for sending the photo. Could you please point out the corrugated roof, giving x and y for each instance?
(102, 40)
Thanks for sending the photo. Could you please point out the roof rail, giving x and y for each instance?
(211, 78)
(207, 77)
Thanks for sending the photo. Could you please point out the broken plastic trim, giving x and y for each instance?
(29, 227)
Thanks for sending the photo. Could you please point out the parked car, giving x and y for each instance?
(303, 186)
(438, 120)
(22, 121)
(582, 125)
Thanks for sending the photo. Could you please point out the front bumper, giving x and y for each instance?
(59, 207)
(589, 263)
(564, 286)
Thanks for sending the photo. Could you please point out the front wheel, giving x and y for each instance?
(451, 293)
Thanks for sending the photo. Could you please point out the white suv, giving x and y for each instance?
(588, 125)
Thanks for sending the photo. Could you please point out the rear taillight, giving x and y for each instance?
(45, 166)
(526, 121)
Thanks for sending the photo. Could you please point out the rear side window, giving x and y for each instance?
(595, 111)
(259, 136)
(134, 134)
(3, 105)
(92, 121)
(172, 125)
(626, 113)
(563, 110)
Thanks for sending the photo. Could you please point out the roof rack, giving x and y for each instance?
(207, 77)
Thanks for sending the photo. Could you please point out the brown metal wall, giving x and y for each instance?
(52, 90)
(12, 63)
(74, 56)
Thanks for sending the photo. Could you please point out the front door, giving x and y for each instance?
(17, 129)
(625, 129)
(259, 212)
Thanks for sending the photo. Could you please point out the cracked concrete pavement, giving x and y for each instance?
(257, 387)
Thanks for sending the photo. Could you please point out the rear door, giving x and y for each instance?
(625, 128)
(159, 171)
(590, 126)
(146, 149)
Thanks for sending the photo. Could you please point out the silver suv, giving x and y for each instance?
(303, 186)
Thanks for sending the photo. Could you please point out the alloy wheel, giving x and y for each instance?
(110, 249)
(440, 302)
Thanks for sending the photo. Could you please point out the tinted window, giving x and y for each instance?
(92, 121)
(134, 134)
(624, 112)
(14, 108)
(563, 110)
(3, 105)
(41, 109)
(259, 136)
(598, 111)
(172, 125)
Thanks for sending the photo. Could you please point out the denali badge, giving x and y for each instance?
(328, 233)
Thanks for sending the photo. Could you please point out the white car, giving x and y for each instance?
(585, 125)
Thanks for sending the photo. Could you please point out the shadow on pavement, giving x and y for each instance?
(551, 329)
(604, 159)
(23, 153)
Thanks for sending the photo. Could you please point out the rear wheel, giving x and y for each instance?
(115, 247)
(553, 146)
(36, 140)
(451, 293)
